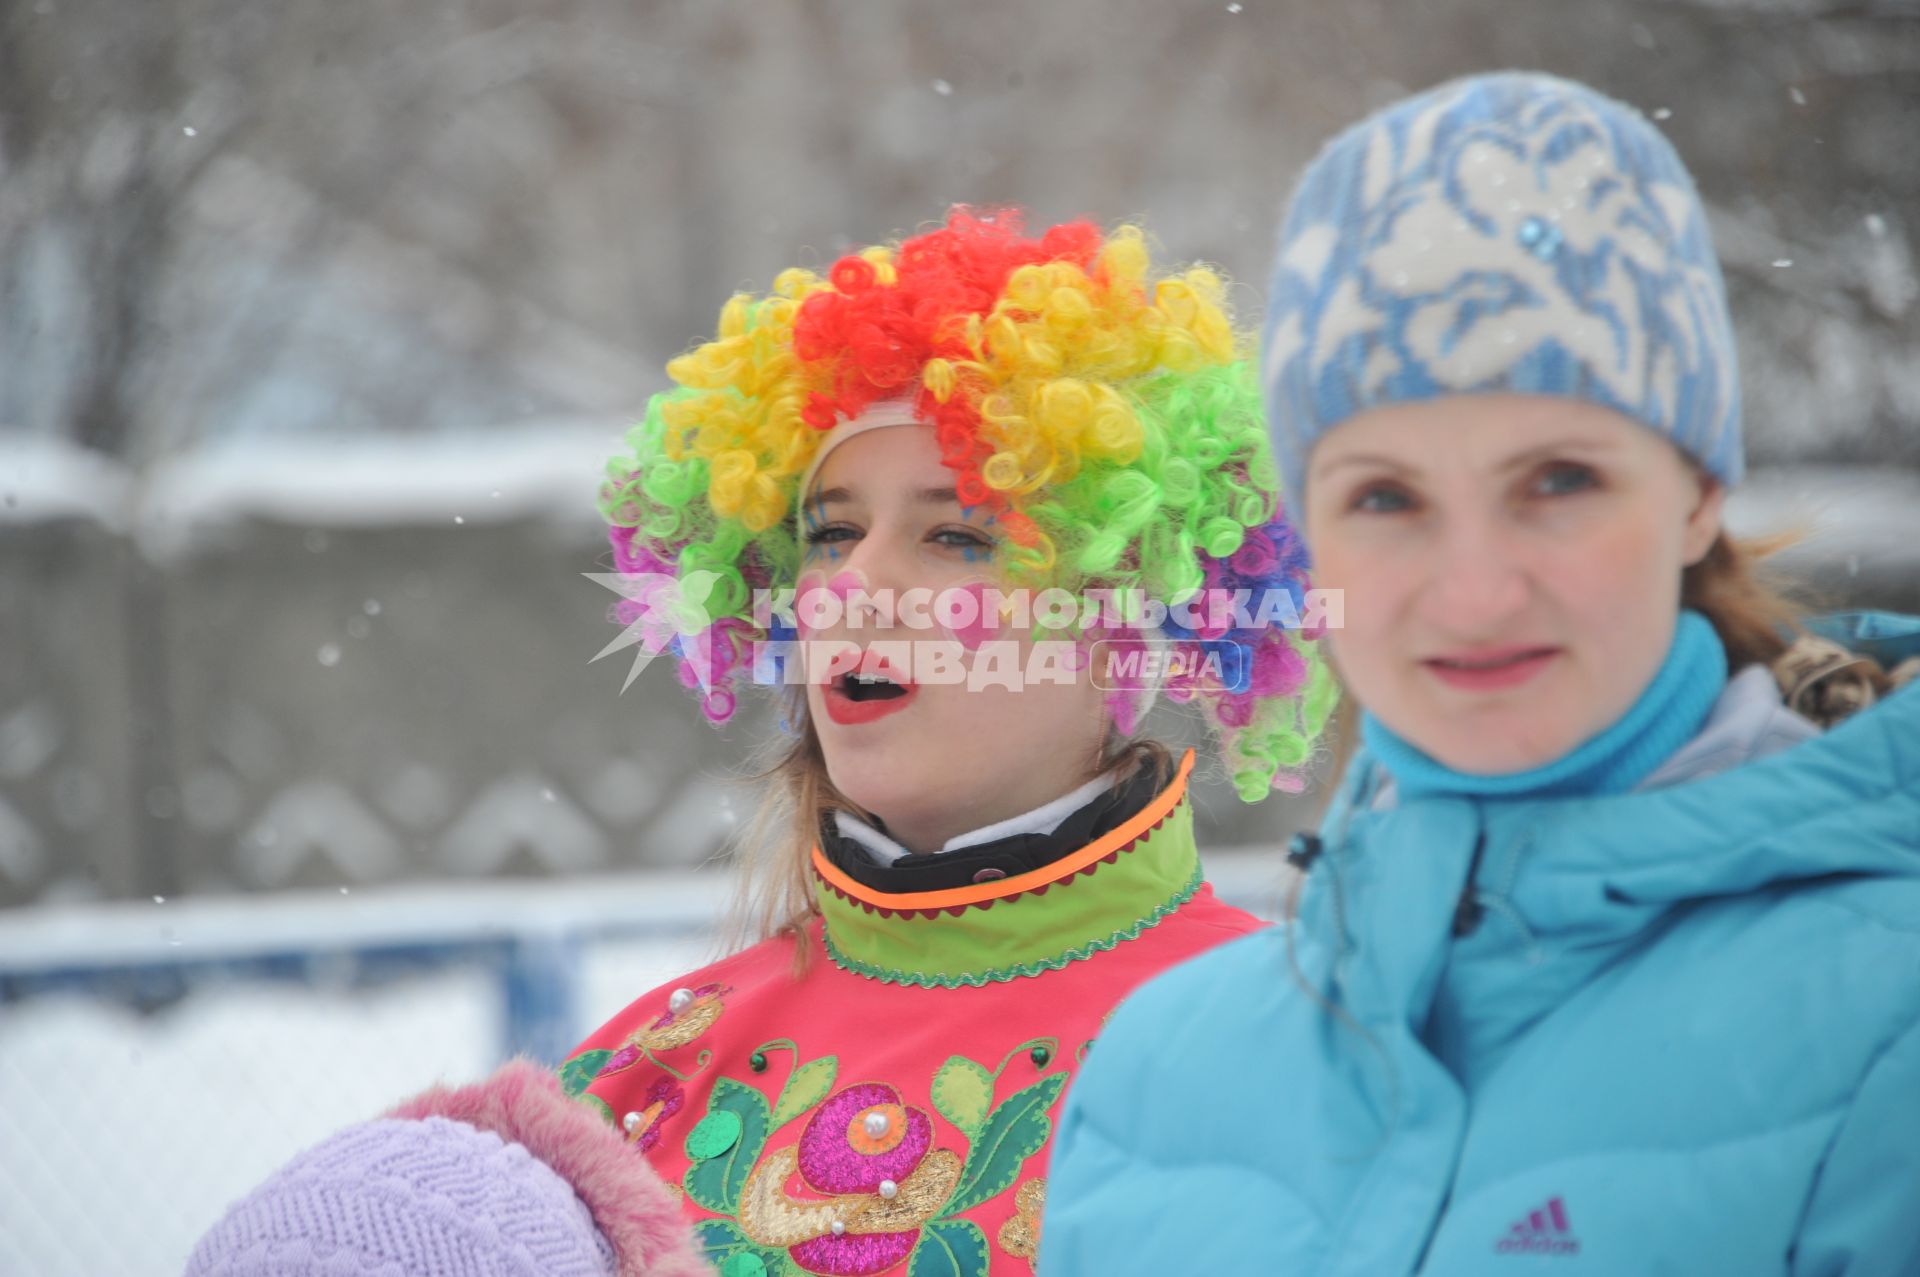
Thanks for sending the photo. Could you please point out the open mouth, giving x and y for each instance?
(871, 690)
(860, 688)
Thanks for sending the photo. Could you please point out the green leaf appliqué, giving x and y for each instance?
(963, 1092)
(805, 1087)
(732, 1251)
(582, 1069)
(716, 1182)
(950, 1248)
(1014, 1131)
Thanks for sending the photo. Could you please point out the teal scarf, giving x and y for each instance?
(1669, 713)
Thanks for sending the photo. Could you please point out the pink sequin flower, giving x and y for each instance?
(854, 1142)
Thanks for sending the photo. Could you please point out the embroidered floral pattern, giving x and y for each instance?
(864, 1189)
(872, 1158)
(663, 1099)
(677, 1028)
(668, 1031)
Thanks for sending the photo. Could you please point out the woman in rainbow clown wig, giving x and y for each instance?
(967, 504)
(963, 877)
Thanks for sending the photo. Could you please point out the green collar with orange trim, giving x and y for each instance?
(1086, 902)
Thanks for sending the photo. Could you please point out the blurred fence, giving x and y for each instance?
(328, 666)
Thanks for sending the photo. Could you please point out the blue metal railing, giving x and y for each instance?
(530, 937)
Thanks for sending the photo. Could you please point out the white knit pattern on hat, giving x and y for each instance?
(398, 1198)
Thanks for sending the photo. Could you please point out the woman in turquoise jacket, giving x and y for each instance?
(1607, 958)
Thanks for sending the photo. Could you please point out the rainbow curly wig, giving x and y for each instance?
(1106, 416)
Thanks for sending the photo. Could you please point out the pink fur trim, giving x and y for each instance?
(638, 1215)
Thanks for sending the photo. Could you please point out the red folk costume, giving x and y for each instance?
(874, 1091)
(891, 1108)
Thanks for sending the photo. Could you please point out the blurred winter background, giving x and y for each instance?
(317, 321)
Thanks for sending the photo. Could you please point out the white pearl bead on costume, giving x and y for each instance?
(877, 1124)
(630, 1121)
(889, 1189)
(838, 1228)
(680, 1001)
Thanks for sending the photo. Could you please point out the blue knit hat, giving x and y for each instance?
(1509, 232)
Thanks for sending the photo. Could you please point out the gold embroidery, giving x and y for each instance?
(770, 1216)
(680, 1029)
(920, 1198)
(1020, 1236)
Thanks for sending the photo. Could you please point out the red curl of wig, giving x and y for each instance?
(870, 340)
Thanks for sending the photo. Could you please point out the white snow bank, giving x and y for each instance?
(208, 928)
(537, 469)
(553, 470)
(548, 469)
(47, 479)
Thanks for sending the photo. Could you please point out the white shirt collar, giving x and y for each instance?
(1043, 819)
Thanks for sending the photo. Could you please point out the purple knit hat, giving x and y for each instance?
(508, 1177)
(395, 1198)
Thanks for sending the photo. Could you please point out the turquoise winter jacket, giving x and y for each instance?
(1682, 1037)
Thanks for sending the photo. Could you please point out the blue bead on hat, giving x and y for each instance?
(1510, 232)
